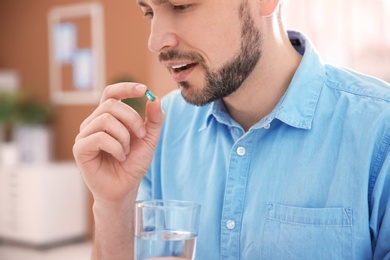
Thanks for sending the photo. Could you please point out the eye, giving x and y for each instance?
(148, 14)
(181, 7)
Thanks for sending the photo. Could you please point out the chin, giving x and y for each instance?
(193, 99)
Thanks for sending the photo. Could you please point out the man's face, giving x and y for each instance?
(209, 46)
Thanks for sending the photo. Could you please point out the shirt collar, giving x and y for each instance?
(217, 109)
(297, 106)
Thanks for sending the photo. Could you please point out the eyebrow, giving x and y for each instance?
(143, 4)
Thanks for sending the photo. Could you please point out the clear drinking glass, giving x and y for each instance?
(166, 230)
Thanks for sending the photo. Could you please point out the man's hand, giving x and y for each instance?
(115, 147)
(114, 150)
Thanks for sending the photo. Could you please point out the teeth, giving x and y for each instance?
(179, 66)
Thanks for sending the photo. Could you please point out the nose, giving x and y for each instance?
(162, 35)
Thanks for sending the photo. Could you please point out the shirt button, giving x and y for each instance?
(230, 224)
(241, 151)
(267, 126)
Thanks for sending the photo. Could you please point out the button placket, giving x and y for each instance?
(234, 197)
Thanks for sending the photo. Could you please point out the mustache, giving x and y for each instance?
(180, 55)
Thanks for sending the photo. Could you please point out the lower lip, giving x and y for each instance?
(182, 75)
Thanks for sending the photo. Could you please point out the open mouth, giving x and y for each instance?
(182, 67)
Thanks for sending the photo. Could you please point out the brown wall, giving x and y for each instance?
(24, 47)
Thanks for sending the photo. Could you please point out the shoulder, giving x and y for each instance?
(362, 101)
(359, 97)
(356, 84)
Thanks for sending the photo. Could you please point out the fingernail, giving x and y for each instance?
(140, 88)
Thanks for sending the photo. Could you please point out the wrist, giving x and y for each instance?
(109, 208)
(114, 203)
(114, 229)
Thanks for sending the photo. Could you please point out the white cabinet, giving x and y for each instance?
(42, 204)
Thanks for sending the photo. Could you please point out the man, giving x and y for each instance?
(288, 156)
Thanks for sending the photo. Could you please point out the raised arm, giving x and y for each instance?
(114, 150)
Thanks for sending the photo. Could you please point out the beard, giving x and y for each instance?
(222, 82)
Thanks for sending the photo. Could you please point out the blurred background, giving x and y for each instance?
(56, 56)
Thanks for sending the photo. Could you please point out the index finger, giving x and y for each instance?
(123, 90)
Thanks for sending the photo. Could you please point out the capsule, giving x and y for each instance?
(150, 95)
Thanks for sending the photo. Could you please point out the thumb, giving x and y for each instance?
(154, 119)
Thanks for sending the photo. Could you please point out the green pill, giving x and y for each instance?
(150, 95)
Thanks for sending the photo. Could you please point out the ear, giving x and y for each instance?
(268, 7)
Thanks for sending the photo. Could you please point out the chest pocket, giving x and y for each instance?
(307, 233)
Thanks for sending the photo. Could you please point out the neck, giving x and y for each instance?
(263, 89)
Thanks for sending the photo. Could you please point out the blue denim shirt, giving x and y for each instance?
(309, 181)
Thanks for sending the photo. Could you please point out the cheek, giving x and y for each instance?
(221, 41)
(216, 47)
(214, 39)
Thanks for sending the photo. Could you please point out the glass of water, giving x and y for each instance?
(166, 230)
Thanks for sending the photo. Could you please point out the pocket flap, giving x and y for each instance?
(337, 216)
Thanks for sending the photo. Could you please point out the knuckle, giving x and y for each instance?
(111, 102)
(107, 90)
(106, 117)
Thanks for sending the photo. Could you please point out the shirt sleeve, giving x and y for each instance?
(380, 206)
